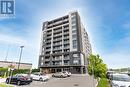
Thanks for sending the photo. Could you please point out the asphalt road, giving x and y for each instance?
(73, 81)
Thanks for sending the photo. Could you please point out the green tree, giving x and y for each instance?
(96, 66)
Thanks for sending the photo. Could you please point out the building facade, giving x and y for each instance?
(6, 64)
(65, 45)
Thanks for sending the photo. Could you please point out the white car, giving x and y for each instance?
(60, 74)
(40, 77)
(67, 73)
(120, 80)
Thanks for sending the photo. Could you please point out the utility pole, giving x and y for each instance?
(21, 47)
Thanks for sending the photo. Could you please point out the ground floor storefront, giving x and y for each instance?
(72, 69)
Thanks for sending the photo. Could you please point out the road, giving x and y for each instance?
(73, 81)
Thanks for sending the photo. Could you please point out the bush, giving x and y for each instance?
(2, 71)
(35, 70)
(21, 71)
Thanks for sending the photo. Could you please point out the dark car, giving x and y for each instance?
(19, 79)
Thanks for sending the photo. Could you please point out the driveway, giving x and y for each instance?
(73, 81)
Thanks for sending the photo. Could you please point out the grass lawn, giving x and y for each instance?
(5, 85)
(103, 83)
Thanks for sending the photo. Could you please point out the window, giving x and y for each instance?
(73, 27)
(41, 63)
(75, 55)
(73, 19)
(74, 31)
(76, 62)
(42, 58)
(74, 36)
(74, 44)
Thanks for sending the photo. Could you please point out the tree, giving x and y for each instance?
(96, 66)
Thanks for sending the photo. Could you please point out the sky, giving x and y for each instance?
(106, 21)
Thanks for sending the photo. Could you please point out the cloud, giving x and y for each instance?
(119, 56)
(8, 39)
(117, 60)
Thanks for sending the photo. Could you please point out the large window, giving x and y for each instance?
(73, 31)
(74, 36)
(74, 44)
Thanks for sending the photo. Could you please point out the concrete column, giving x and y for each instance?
(81, 70)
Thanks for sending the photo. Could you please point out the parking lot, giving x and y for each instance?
(73, 81)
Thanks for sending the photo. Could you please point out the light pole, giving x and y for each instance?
(7, 53)
(21, 47)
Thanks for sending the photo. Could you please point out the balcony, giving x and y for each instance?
(60, 34)
(47, 59)
(67, 28)
(66, 50)
(48, 53)
(66, 42)
(48, 41)
(48, 37)
(66, 63)
(66, 47)
(47, 64)
(57, 64)
(48, 45)
(60, 48)
(57, 51)
(57, 30)
(66, 20)
(48, 49)
(49, 33)
(66, 58)
(58, 39)
(57, 59)
(67, 37)
(57, 24)
(66, 33)
(57, 44)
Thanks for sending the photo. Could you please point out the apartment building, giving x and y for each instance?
(65, 45)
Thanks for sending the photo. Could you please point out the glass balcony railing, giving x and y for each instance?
(55, 59)
(66, 42)
(57, 39)
(59, 30)
(66, 58)
(57, 48)
(57, 35)
(57, 43)
(48, 49)
(66, 47)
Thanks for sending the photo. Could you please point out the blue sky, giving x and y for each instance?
(106, 21)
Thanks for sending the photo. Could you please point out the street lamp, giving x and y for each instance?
(7, 53)
(21, 47)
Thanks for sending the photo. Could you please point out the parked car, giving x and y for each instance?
(26, 75)
(39, 77)
(109, 73)
(60, 74)
(120, 80)
(67, 73)
(19, 79)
